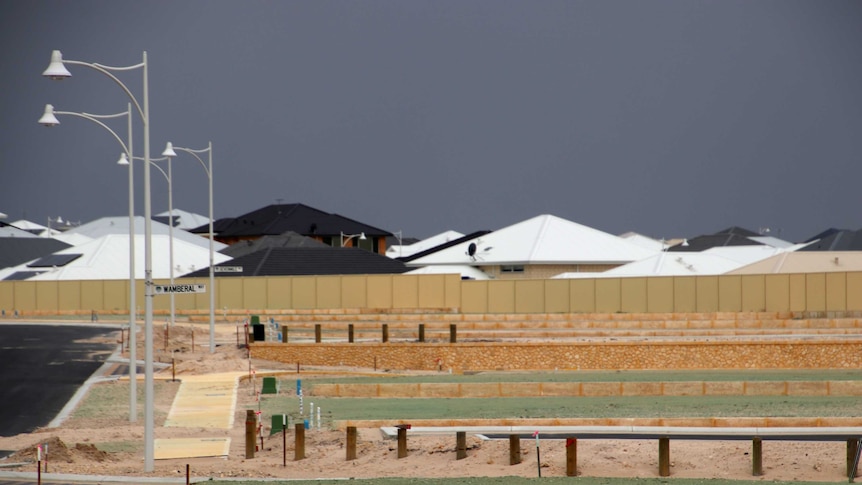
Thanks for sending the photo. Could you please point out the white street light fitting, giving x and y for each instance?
(48, 118)
(56, 69)
(345, 238)
(169, 150)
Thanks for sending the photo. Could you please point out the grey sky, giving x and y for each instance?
(669, 118)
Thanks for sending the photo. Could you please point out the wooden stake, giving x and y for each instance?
(250, 428)
(461, 445)
(351, 443)
(299, 448)
(854, 448)
(664, 457)
(757, 456)
(514, 449)
(571, 457)
(402, 442)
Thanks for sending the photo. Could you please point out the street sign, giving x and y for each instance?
(227, 269)
(165, 289)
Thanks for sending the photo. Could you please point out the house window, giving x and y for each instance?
(366, 244)
(514, 268)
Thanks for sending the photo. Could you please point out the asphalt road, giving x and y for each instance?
(41, 368)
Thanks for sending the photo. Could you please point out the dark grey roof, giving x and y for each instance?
(22, 275)
(218, 226)
(18, 250)
(289, 239)
(823, 235)
(54, 260)
(732, 236)
(841, 240)
(322, 260)
(299, 218)
(739, 231)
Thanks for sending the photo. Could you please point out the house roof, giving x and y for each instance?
(824, 234)
(805, 262)
(279, 218)
(184, 220)
(732, 236)
(323, 260)
(107, 258)
(543, 239)
(20, 249)
(839, 240)
(406, 250)
(464, 271)
(8, 230)
(218, 226)
(289, 239)
(666, 264)
(645, 241)
(442, 246)
(120, 225)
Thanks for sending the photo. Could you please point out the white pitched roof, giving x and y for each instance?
(713, 261)
(107, 258)
(772, 241)
(399, 251)
(27, 225)
(9, 231)
(186, 220)
(644, 241)
(72, 239)
(544, 239)
(666, 264)
(806, 262)
(120, 225)
(464, 271)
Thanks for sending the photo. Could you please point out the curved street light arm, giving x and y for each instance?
(95, 119)
(194, 153)
(106, 70)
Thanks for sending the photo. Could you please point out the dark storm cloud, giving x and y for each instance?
(670, 118)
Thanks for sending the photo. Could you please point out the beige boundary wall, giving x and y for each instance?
(809, 292)
(591, 389)
(619, 355)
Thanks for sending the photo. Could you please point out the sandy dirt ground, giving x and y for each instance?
(72, 446)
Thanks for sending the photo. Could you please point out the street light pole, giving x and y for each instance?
(57, 70)
(208, 168)
(49, 119)
(171, 235)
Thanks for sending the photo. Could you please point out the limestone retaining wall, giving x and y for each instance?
(591, 389)
(477, 356)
